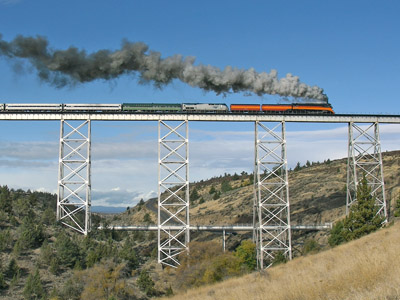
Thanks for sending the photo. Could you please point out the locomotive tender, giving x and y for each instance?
(294, 108)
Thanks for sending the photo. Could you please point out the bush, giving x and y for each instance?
(279, 258)
(207, 263)
(311, 246)
(247, 254)
(103, 281)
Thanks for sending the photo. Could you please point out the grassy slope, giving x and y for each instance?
(368, 268)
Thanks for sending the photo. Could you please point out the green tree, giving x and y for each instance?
(48, 216)
(246, 252)
(212, 190)
(46, 253)
(129, 255)
(147, 219)
(67, 251)
(362, 219)
(145, 283)
(194, 195)
(12, 269)
(226, 186)
(31, 233)
(33, 287)
(5, 240)
(337, 236)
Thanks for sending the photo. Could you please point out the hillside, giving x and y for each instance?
(123, 265)
(368, 268)
(317, 196)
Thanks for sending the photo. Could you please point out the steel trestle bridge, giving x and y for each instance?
(271, 214)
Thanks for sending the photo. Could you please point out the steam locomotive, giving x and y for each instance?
(295, 108)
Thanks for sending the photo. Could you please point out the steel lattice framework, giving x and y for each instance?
(173, 191)
(365, 159)
(272, 210)
(74, 185)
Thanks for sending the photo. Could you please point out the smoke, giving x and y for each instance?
(65, 67)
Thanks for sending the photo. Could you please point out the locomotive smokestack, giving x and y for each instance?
(64, 67)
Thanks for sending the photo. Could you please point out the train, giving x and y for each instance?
(293, 108)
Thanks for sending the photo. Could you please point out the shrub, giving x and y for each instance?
(246, 252)
(104, 281)
(279, 258)
(311, 246)
(207, 263)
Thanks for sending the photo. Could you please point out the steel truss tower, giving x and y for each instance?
(272, 210)
(365, 158)
(173, 191)
(73, 201)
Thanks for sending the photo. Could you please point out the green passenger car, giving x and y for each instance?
(151, 107)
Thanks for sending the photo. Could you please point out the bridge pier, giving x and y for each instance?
(365, 158)
(173, 191)
(74, 183)
(271, 206)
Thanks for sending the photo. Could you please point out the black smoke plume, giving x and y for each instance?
(64, 67)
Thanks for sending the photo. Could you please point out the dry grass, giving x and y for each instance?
(368, 268)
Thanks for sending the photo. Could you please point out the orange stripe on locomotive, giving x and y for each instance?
(269, 107)
(245, 107)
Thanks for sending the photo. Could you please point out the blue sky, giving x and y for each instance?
(348, 48)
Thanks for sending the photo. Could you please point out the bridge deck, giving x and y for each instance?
(231, 117)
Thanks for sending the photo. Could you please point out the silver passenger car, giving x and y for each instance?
(205, 107)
